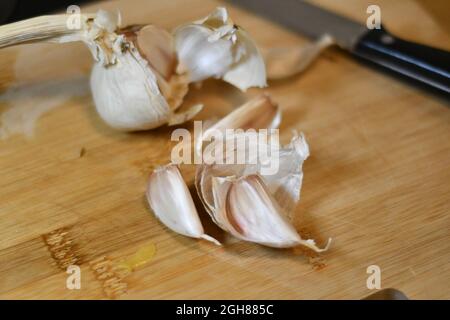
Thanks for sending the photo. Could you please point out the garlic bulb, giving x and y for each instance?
(254, 206)
(134, 84)
(216, 47)
(172, 203)
(137, 81)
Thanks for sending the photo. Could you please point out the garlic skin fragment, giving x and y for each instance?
(172, 203)
(286, 62)
(286, 184)
(216, 47)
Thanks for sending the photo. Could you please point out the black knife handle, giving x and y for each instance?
(427, 65)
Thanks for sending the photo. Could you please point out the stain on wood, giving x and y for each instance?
(62, 248)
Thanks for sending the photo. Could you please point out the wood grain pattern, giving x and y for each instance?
(378, 180)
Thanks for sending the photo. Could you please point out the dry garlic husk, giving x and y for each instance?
(254, 206)
(258, 113)
(216, 47)
(288, 61)
(172, 203)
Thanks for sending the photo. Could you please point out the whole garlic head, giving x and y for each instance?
(143, 72)
(216, 47)
(134, 84)
(138, 81)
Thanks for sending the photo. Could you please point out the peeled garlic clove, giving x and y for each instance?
(286, 62)
(172, 203)
(215, 47)
(249, 212)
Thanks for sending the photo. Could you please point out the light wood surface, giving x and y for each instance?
(377, 181)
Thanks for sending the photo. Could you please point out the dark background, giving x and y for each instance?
(13, 10)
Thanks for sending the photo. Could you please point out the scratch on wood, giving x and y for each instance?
(109, 276)
(62, 248)
(412, 271)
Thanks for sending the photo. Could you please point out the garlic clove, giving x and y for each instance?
(214, 182)
(285, 185)
(172, 203)
(126, 94)
(286, 62)
(155, 45)
(258, 113)
(215, 47)
(245, 208)
(200, 58)
(250, 71)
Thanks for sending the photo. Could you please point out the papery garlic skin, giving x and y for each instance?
(172, 203)
(286, 62)
(286, 184)
(215, 47)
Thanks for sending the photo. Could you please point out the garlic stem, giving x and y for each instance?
(43, 28)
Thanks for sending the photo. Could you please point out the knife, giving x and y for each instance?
(422, 64)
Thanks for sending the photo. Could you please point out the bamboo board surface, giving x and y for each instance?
(377, 181)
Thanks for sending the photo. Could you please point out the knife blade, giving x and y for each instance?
(422, 64)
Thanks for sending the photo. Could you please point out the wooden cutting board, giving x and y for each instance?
(377, 181)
